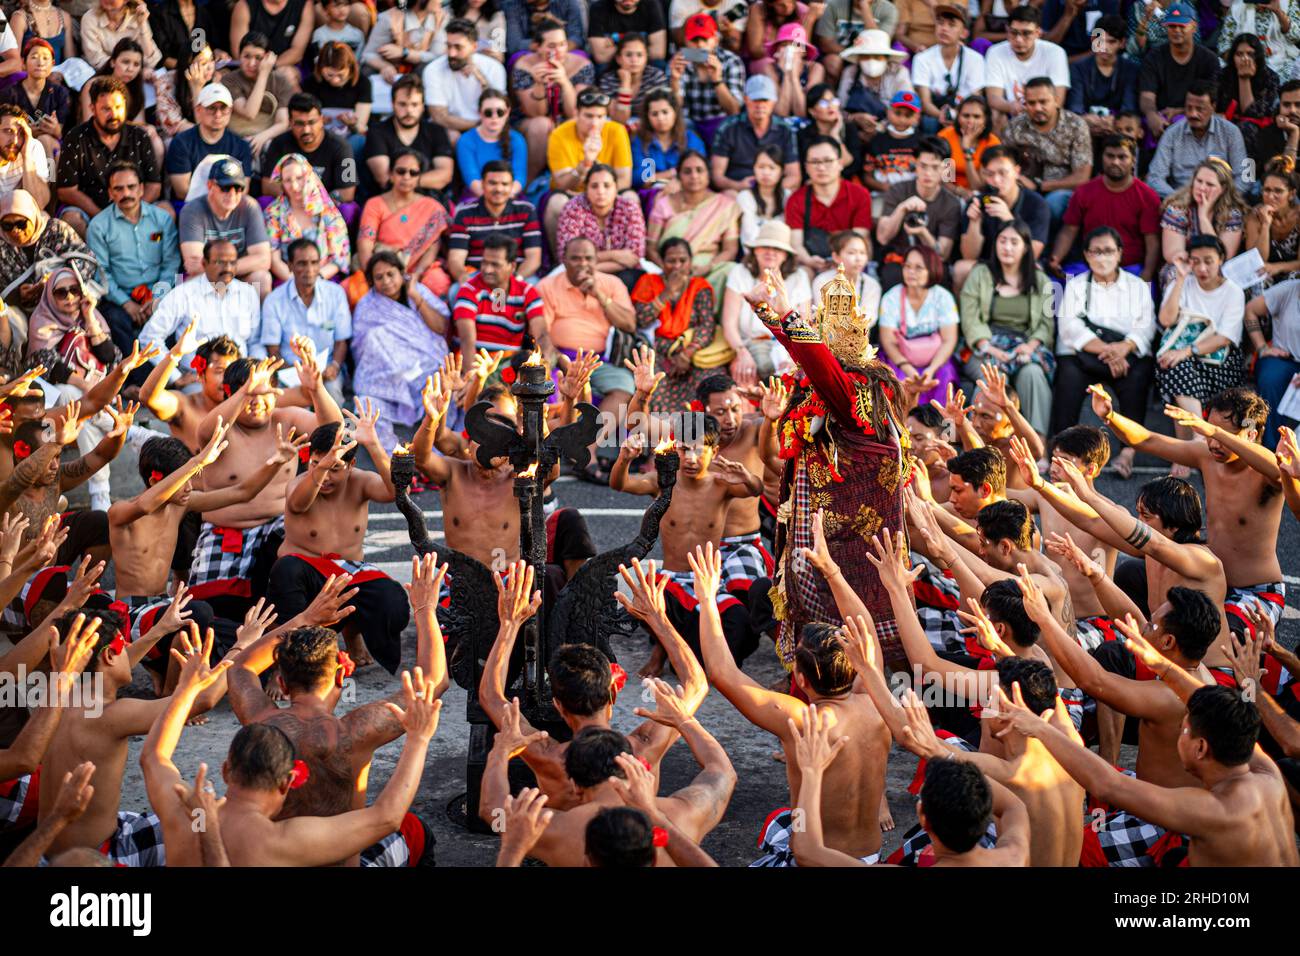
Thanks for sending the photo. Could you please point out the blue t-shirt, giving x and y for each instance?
(188, 149)
(660, 159)
(472, 154)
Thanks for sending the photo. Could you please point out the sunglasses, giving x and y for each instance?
(494, 113)
(67, 292)
(406, 171)
(592, 98)
(235, 187)
(13, 225)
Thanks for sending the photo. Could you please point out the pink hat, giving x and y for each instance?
(791, 33)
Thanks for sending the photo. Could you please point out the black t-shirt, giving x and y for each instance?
(1169, 80)
(338, 97)
(381, 140)
(332, 159)
(280, 27)
(1032, 209)
(607, 21)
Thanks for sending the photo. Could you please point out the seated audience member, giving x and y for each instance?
(1208, 205)
(1248, 88)
(209, 136)
(1023, 56)
(227, 212)
(1270, 31)
(890, 155)
(125, 65)
(109, 21)
(967, 139)
(309, 306)
(739, 139)
(178, 88)
(407, 128)
(522, 20)
(1006, 319)
(138, 248)
(849, 250)
(1273, 227)
(494, 307)
(611, 21)
(918, 212)
(55, 30)
(489, 19)
(1056, 144)
(491, 140)
(1001, 200)
(764, 201)
(259, 93)
(329, 155)
(789, 64)
(682, 306)
(1278, 357)
(919, 323)
(709, 222)
(1104, 83)
(1116, 199)
(662, 136)
(402, 41)
(1201, 315)
(407, 222)
(399, 333)
(631, 79)
(494, 213)
(546, 83)
(828, 204)
(1282, 136)
(289, 29)
(948, 71)
(840, 23)
(89, 149)
(215, 300)
(335, 28)
(613, 222)
(31, 236)
(1105, 328)
(1198, 136)
(458, 79)
(344, 94)
(759, 356)
(710, 91)
(24, 163)
(1170, 70)
(304, 210)
(48, 106)
(873, 77)
(577, 146)
(826, 118)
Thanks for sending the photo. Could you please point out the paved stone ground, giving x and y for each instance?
(613, 518)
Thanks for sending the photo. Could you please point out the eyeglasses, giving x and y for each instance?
(494, 114)
(67, 292)
(13, 225)
(1104, 251)
(829, 103)
(590, 97)
(406, 171)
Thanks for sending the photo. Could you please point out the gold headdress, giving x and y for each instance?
(845, 330)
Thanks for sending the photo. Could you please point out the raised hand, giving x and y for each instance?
(672, 706)
(1102, 405)
(642, 366)
(83, 584)
(510, 737)
(201, 800)
(516, 599)
(633, 444)
(1035, 602)
(485, 363)
(259, 617)
(858, 638)
(647, 587)
(813, 750)
(993, 383)
(983, 629)
(70, 658)
(1244, 654)
(426, 581)
(363, 429)
(123, 416)
(436, 397)
(341, 445)
(21, 385)
(706, 563)
(262, 376)
(891, 560)
(1139, 645)
(328, 607)
(193, 654)
(1193, 423)
(1065, 546)
(453, 374)
(732, 472)
(188, 341)
(775, 398)
(137, 358)
(637, 785)
(954, 409)
(1065, 470)
(287, 446)
(526, 818)
(217, 443)
(819, 555)
(419, 716)
(1023, 458)
(176, 614)
(914, 386)
(1288, 452)
(75, 792)
(918, 734)
(68, 424)
(12, 527)
(1023, 720)
(574, 379)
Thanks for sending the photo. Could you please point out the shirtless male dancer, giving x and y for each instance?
(325, 520)
(183, 412)
(584, 684)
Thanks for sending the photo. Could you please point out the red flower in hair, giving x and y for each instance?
(304, 454)
(200, 365)
(156, 475)
(464, 433)
(300, 775)
(696, 405)
(347, 663)
(118, 644)
(508, 374)
(22, 450)
(645, 763)
(659, 836)
(619, 677)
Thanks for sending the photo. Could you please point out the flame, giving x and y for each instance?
(535, 358)
(665, 446)
(402, 449)
(530, 471)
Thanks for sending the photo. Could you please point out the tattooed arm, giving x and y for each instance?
(27, 474)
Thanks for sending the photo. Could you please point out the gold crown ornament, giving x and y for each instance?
(845, 330)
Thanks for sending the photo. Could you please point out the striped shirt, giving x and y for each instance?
(499, 319)
(474, 223)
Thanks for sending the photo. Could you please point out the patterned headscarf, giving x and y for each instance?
(315, 197)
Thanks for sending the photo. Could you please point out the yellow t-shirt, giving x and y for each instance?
(564, 149)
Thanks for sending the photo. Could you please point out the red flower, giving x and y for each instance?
(304, 454)
(300, 775)
(200, 365)
(508, 374)
(225, 390)
(347, 663)
(142, 294)
(464, 433)
(118, 644)
(618, 677)
(645, 763)
(695, 406)
(22, 450)
(156, 475)
(660, 836)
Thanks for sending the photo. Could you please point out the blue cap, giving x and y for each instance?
(907, 100)
(760, 87)
(1180, 12)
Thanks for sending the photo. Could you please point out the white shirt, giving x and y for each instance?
(1007, 72)
(1123, 306)
(1225, 307)
(966, 73)
(11, 174)
(460, 93)
(7, 41)
(237, 313)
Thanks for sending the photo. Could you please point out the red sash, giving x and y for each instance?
(326, 566)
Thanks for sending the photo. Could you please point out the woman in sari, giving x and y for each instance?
(408, 222)
(399, 333)
(682, 304)
(304, 210)
(709, 221)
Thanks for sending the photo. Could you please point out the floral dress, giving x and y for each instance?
(329, 231)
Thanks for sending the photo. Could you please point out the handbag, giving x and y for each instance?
(1109, 336)
(621, 346)
(816, 241)
(1190, 330)
(917, 351)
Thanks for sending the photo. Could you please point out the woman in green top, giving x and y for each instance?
(1006, 318)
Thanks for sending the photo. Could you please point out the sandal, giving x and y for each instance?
(594, 474)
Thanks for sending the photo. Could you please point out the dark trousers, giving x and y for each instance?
(201, 614)
(1074, 373)
(736, 630)
(382, 611)
(124, 332)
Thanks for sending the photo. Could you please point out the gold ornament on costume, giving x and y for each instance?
(845, 330)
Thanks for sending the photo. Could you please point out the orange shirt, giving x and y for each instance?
(953, 138)
(576, 321)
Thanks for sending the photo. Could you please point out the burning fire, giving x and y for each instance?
(530, 471)
(402, 449)
(535, 358)
(665, 446)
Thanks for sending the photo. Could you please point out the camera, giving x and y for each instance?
(986, 195)
(917, 220)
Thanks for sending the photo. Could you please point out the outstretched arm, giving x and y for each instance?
(437, 399)
(76, 472)
(1114, 601)
(638, 787)
(1288, 459)
(1252, 453)
(165, 487)
(1190, 453)
(620, 480)
(74, 797)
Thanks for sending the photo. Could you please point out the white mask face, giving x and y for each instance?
(874, 68)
